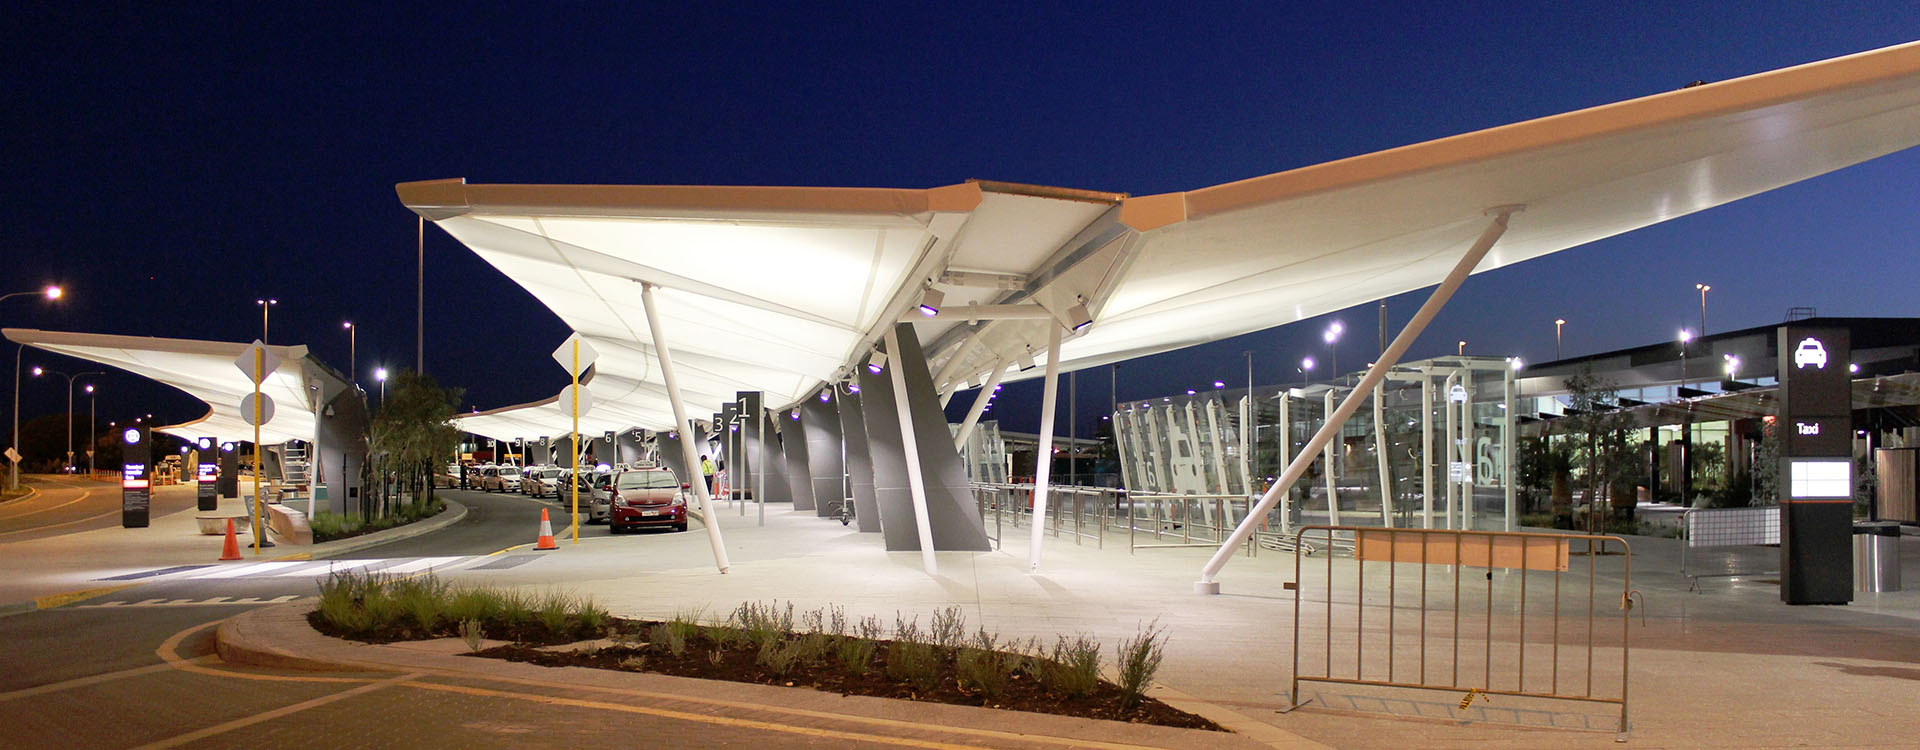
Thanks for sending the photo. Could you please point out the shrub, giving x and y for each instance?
(985, 667)
(1074, 668)
(780, 658)
(948, 628)
(856, 654)
(1138, 659)
(669, 639)
(915, 663)
(553, 611)
(473, 633)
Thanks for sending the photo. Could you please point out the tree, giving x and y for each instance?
(412, 435)
(1601, 447)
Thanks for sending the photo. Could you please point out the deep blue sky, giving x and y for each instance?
(171, 166)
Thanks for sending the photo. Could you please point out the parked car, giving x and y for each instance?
(542, 482)
(647, 497)
(500, 478)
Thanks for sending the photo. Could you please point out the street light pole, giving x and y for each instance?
(265, 305)
(353, 351)
(1685, 336)
(1704, 288)
(380, 374)
(37, 372)
(13, 472)
(91, 434)
(1557, 322)
(1332, 337)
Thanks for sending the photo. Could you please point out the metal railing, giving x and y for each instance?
(1454, 611)
(1727, 527)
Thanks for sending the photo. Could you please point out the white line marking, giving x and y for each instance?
(239, 571)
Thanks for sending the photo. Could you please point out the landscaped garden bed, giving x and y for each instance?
(767, 644)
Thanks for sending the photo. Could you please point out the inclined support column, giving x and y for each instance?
(1331, 427)
(1043, 473)
(708, 514)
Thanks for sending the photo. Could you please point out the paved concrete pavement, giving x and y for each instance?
(1728, 666)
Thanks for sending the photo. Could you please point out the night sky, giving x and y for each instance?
(169, 167)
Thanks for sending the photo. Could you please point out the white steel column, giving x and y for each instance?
(708, 512)
(1219, 446)
(1380, 453)
(1469, 452)
(1333, 493)
(1452, 449)
(1506, 448)
(916, 481)
(1495, 228)
(1426, 450)
(1043, 473)
(979, 405)
(1286, 459)
(1246, 441)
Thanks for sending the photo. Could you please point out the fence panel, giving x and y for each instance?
(1487, 613)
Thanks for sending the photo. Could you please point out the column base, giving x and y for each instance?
(1206, 588)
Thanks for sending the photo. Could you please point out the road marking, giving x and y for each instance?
(409, 681)
(57, 600)
(113, 512)
(243, 570)
(169, 652)
(213, 601)
(83, 495)
(441, 563)
(200, 734)
(54, 687)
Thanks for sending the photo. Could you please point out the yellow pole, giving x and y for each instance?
(259, 363)
(576, 439)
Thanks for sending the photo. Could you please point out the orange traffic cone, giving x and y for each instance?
(546, 533)
(231, 549)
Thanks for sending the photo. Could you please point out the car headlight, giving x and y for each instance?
(680, 499)
(619, 502)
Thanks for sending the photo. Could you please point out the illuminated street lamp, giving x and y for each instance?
(1305, 369)
(1685, 336)
(1462, 351)
(91, 414)
(1557, 322)
(353, 346)
(37, 372)
(380, 374)
(1332, 337)
(265, 306)
(1704, 288)
(51, 292)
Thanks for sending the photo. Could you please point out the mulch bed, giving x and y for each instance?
(1023, 693)
(737, 663)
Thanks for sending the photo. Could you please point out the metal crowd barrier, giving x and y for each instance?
(1382, 585)
(1727, 527)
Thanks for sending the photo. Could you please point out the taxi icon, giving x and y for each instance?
(1810, 353)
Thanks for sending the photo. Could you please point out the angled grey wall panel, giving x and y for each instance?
(745, 404)
(793, 441)
(627, 446)
(773, 464)
(891, 494)
(866, 508)
(821, 424)
(668, 443)
(951, 509)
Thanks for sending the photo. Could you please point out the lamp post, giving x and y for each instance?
(13, 473)
(91, 434)
(265, 306)
(1685, 336)
(1332, 337)
(1462, 351)
(1305, 369)
(1704, 288)
(353, 351)
(37, 372)
(1557, 322)
(380, 374)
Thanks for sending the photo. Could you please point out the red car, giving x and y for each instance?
(647, 497)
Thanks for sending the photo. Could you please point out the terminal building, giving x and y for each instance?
(1695, 419)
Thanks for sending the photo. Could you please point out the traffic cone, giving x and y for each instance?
(546, 533)
(231, 549)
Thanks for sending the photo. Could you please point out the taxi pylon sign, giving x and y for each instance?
(546, 533)
(231, 549)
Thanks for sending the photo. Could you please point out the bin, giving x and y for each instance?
(1876, 556)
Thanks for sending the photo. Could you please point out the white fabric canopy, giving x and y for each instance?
(205, 370)
(783, 289)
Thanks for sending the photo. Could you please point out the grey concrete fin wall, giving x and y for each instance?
(866, 507)
(951, 509)
(892, 497)
(773, 466)
(793, 441)
(821, 424)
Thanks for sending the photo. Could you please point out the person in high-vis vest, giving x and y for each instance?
(707, 471)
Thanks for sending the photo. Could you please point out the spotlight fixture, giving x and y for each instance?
(1077, 316)
(930, 302)
(824, 396)
(876, 361)
(1026, 359)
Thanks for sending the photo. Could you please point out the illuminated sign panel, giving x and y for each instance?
(1819, 478)
(135, 480)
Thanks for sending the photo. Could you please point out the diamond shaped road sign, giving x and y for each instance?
(564, 354)
(13, 455)
(267, 362)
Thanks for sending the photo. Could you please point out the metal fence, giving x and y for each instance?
(1498, 613)
(1728, 528)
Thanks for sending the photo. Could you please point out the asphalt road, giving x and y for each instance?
(495, 521)
(66, 505)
